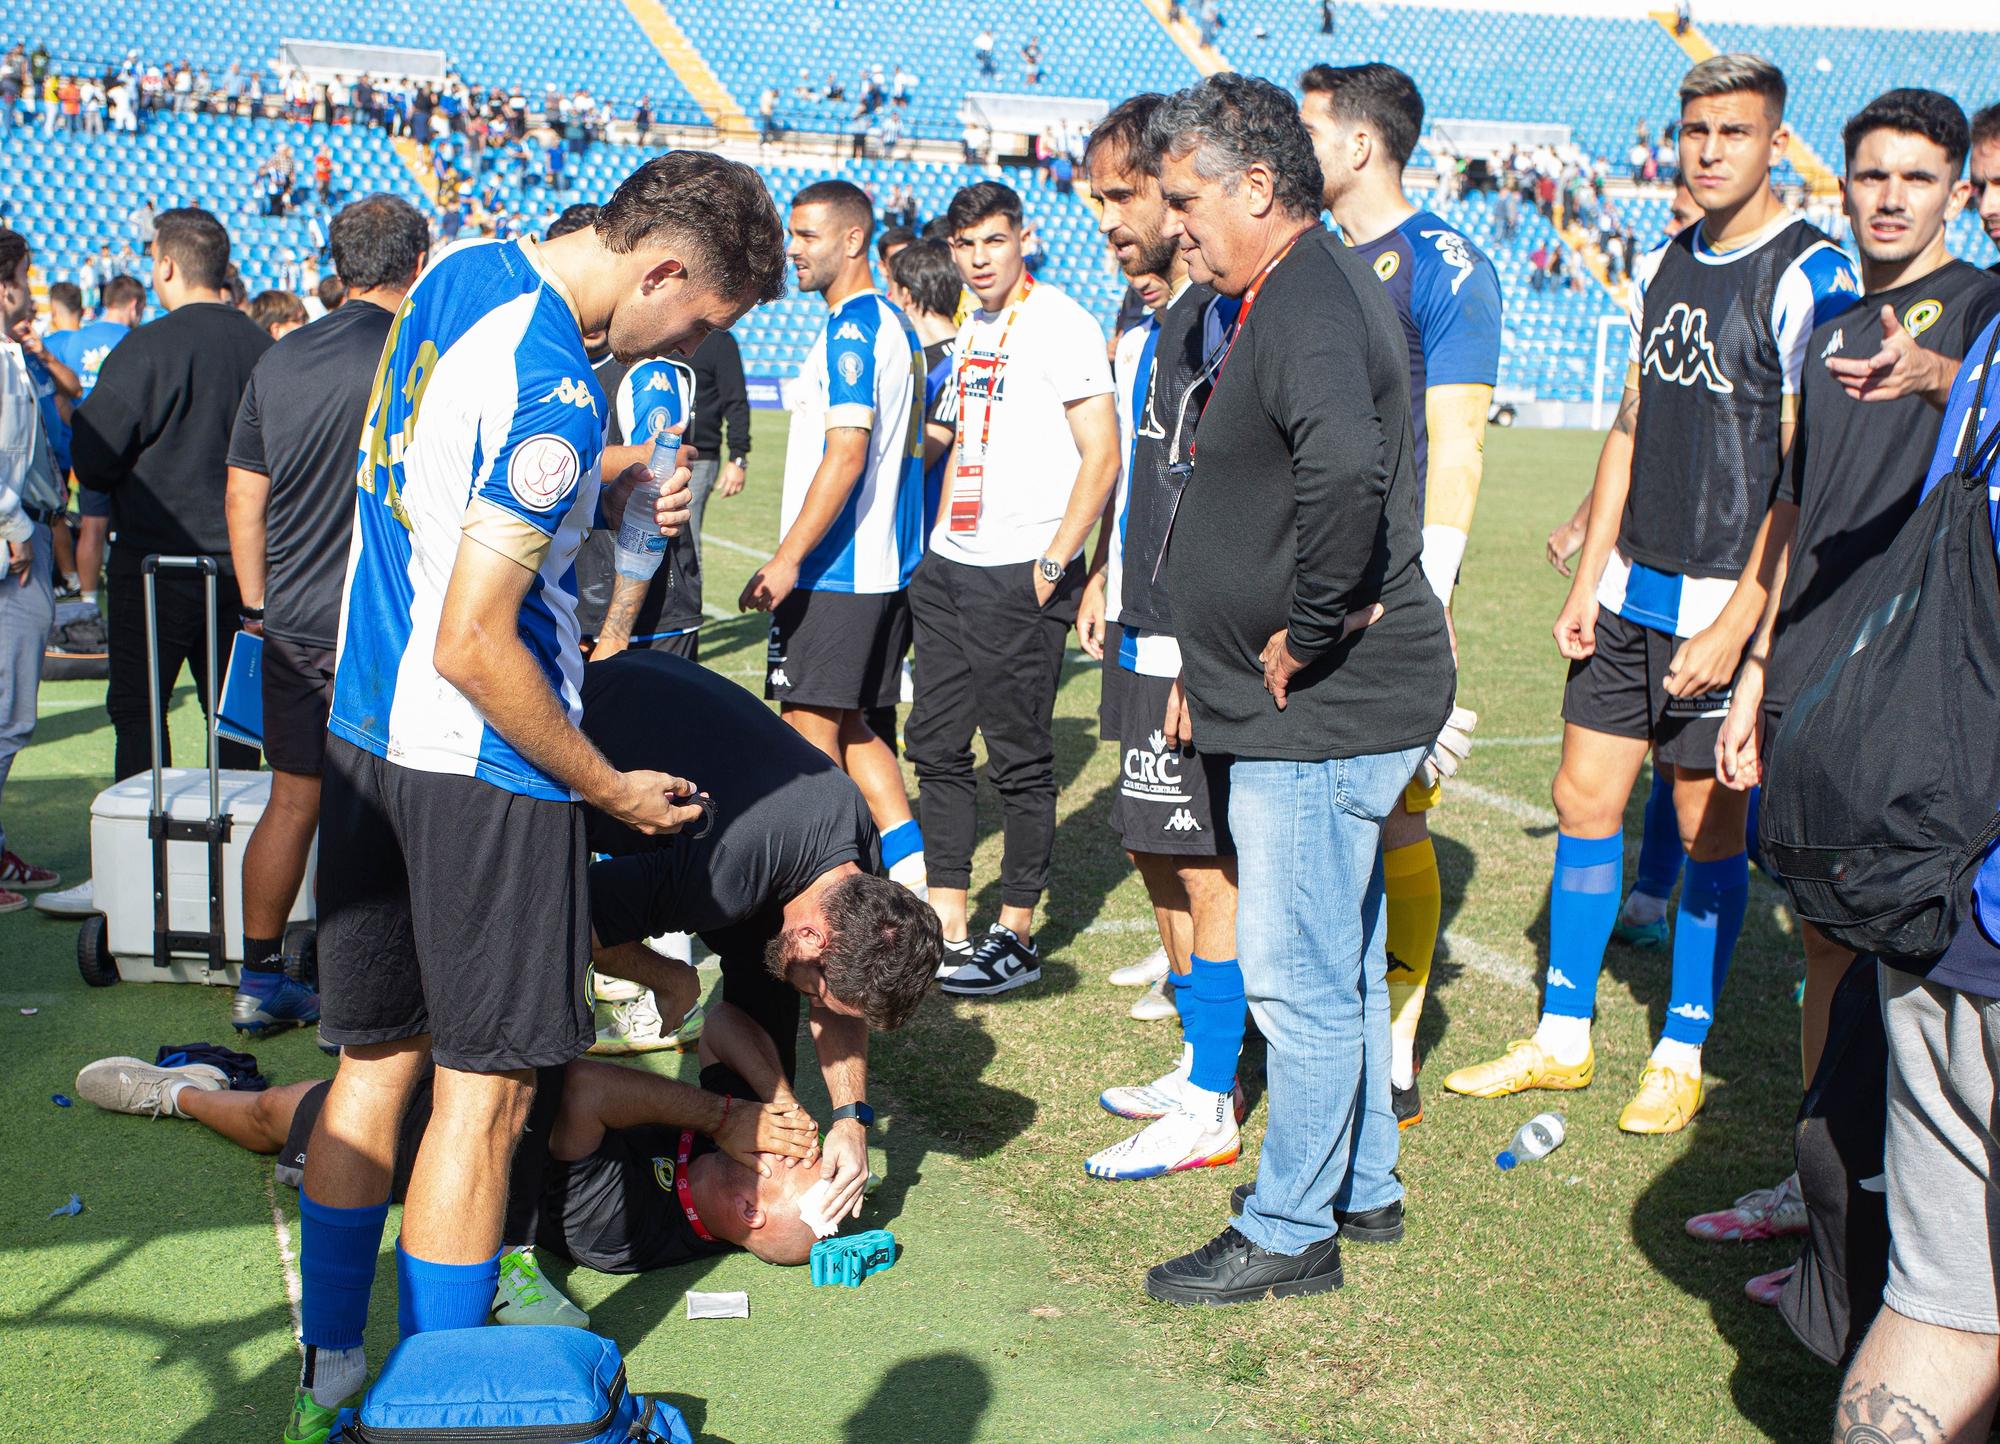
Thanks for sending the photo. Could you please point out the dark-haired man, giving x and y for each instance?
(291, 519)
(1870, 408)
(154, 434)
(1364, 120)
(1984, 167)
(924, 283)
(1672, 582)
(123, 303)
(1301, 512)
(851, 523)
(1034, 458)
(455, 754)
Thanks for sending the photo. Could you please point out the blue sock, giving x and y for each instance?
(442, 1296)
(337, 1248)
(1216, 1030)
(1583, 906)
(1180, 987)
(1711, 915)
(900, 842)
(1660, 850)
(1756, 854)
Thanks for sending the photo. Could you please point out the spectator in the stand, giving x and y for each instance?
(1031, 62)
(323, 174)
(720, 430)
(1326, 17)
(1210, 18)
(30, 503)
(982, 50)
(154, 434)
(279, 313)
(642, 117)
(767, 114)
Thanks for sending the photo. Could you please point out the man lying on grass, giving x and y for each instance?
(638, 1172)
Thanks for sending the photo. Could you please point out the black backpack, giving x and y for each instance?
(1880, 802)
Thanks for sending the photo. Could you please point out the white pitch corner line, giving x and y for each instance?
(286, 1258)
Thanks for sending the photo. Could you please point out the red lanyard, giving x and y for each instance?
(683, 1192)
(998, 364)
(1242, 320)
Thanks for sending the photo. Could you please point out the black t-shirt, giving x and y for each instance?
(1856, 467)
(154, 432)
(1303, 508)
(299, 422)
(784, 812)
(618, 1211)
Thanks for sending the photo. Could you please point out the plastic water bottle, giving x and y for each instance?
(1536, 1139)
(641, 548)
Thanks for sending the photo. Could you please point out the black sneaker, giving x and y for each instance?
(1000, 964)
(1229, 1269)
(1377, 1225)
(1407, 1105)
(957, 953)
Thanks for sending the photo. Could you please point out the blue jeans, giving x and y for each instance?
(1310, 928)
(26, 614)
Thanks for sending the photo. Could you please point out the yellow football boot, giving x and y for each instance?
(1524, 1065)
(1666, 1102)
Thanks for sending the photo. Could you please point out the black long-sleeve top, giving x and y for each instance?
(154, 432)
(720, 399)
(1302, 508)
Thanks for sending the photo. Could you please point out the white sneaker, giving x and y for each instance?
(1150, 1100)
(1180, 1140)
(957, 953)
(71, 902)
(606, 989)
(525, 1295)
(1149, 969)
(1155, 1005)
(132, 1085)
(634, 1027)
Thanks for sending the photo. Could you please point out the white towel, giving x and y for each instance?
(812, 1211)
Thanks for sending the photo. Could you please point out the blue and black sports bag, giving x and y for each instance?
(520, 1384)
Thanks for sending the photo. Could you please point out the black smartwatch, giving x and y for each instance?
(1051, 570)
(860, 1112)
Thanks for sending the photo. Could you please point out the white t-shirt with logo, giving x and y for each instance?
(1054, 355)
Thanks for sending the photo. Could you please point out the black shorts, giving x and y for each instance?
(1620, 690)
(1168, 801)
(1112, 684)
(838, 650)
(451, 907)
(298, 694)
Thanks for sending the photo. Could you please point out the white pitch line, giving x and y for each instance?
(760, 553)
(285, 1256)
(1526, 812)
(1488, 961)
(1554, 739)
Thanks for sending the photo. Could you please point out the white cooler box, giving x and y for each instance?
(121, 869)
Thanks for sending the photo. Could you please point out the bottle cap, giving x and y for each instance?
(1505, 1159)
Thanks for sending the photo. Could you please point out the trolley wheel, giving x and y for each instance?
(93, 952)
(302, 954)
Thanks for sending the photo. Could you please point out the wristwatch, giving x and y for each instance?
(860, 1112)
(739, 462)
(1051, 569)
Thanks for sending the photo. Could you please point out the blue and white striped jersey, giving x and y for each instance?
(486, 422)
(865, 369)
(1132, 375)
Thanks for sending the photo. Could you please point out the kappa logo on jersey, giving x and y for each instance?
(1387, 264)
(1678, 350)
(1921, 317)
(849, 332)
(93, 359)
(660, 381)
(779, 679)
(544, 469)
(1182, 821)
(1451, 246)
(850, 367)
(1835, 344)
(574, 393)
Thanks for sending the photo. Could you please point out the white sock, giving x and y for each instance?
(1681, 1057)
(333, 1375)
(173, 1096)
(1402, 1061)
(1567, 1040)
(909, 871)
(1185, 1067)
(1643, 908)
(1214, 1111)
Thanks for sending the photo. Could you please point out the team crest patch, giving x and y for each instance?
(1922, 316)
(850, 367)
(1387, 264)
(663, 1174)
(544, 469)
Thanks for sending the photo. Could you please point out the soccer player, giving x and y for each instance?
(1870, 407)
(83, 351)
(924, 283)
(1673, 579)
(852, 519)
(1985, 172)
(1170, 816)
(1034, 458)
(1364, 121)
(290, 509)
(453, 925)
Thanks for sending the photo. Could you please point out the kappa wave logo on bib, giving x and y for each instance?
(1451, 246)
(660, 381)
(572, 392)
(1182, 821)
(849, 332)
(1678, 350)
(543, 470)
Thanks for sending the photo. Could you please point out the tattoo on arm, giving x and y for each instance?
(1628, 414)
(1878, 1415)
(626, 595)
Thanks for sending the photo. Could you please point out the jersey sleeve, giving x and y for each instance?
(1971, 411)
(1815, 288)
(941, 404)
(246, 438)
(1077, 362)
(850, 370)
(1456, 298)
(539, 449)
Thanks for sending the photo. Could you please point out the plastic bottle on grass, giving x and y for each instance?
(641, 548)
(1536, 1139)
